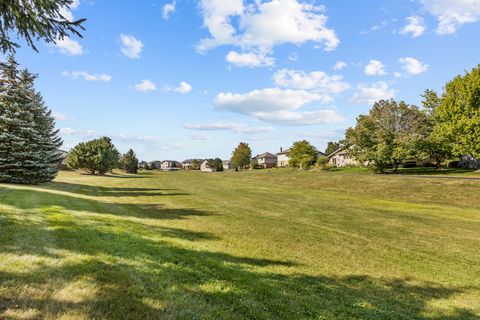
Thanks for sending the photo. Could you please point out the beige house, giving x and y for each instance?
(283, 158)
(341, 158)
(204, 167)
(266, 160)
(227, 164)
(170, 165)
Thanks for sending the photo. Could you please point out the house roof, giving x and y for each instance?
(284, 151)
(226, 161)
(265, 155)
(191, 160)
(336, 152)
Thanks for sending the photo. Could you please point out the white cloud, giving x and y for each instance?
(413, 66)
(69, 47)
(227, 126)
(145, 86)
(168, 9)
(263, 25)
(66, 131)
(340, 65)
(183, 88)
(132, 47)
(87, 76)
(277, 105)
(318, 81)
(369, 94)
(200, 137)
(452, 14)
(249, 59)
(375, 68)
(415, 27)
(59, 116)
(293, 56)
(67, 13)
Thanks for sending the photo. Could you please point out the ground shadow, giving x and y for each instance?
(100, 191)
(135, 276)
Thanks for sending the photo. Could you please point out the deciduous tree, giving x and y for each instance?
(241, 156)
(302, 155)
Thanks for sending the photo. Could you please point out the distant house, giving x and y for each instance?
(142, 165)
(155, 165)
(341, 158)
(283, 158)
(204, 167)
(227, 164)
(188, 164)
(266, 160)
(170, 165)
(467, 161)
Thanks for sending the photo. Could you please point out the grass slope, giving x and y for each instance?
(258, 245)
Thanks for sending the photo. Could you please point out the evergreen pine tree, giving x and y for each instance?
(28, 140)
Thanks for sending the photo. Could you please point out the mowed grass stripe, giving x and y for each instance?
(277, 245)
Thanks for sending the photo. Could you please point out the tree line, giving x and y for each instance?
(446, 126)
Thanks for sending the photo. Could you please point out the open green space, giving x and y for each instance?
(264, 244)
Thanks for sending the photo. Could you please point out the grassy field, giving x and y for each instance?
(257, 245)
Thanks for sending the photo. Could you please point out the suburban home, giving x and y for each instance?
(204, 167)
(227, 164)
(467, 161)
(188, 164)
(142, 165)
(170, 165)
(266, 160)
(155, 165)
(283, 158)
(341, 158)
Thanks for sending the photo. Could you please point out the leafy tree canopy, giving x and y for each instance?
(241, 156)
(302, 155)
(388, 134)
(458, 114)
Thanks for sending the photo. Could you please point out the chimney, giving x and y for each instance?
(281, 149)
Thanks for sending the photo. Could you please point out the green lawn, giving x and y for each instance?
(257, 245)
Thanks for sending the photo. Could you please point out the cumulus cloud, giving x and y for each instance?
(317, 81)
(183, 88)
(412, 66)
(369, 94)
(249, 59)
(452, 14)
(145, 86)
(102, 77)
(277, 105)
(168, 9)
(375, 68)
(69, 47)
(340, 65)
(263, 25)
(227, 126)
(415, 26)
(131, 46)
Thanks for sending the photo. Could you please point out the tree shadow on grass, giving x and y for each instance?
(100, 191)
(52, 201)
(122, 275)
(103, 268)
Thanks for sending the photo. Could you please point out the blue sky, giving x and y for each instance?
(182, 79)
